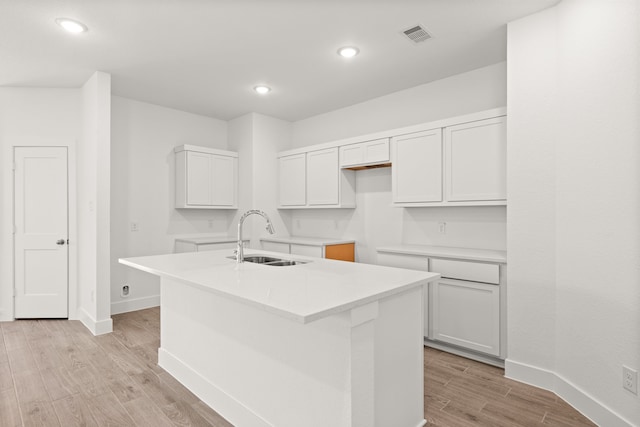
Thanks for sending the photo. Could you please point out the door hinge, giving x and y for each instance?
(15, 229)
(14, 165)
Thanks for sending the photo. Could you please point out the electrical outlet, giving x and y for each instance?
(135, 226)
(210, 223)
(630, 379)
(124, 292)
(442, 227)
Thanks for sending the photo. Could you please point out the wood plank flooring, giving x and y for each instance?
(55, 373)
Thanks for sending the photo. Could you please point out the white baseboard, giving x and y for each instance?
(128, 305)
(231, 409)
(574, 396)
(97, 327)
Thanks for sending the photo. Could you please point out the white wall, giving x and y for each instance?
(465, 93)
(93, 205)
(573, 312)
(258, 138)
(375, 222)
(143, 191)
(34, 117)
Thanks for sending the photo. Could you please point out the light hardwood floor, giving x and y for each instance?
(55, 373)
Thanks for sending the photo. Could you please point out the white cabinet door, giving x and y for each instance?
(223, 171)
(292, 180)
(198, 178)
(206, 178)
(475, 161)
(365, 153)
(416, 174)
(466, 314)
(323, 176)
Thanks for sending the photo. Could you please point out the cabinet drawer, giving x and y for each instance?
(306, 250)
(464, 270)
(275, 247)
(216, 246)
(412, 262)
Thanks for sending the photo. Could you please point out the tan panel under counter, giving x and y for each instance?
(343, 252)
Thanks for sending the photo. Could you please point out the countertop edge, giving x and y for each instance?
(468, 254)
(308, 241)
(428, 277)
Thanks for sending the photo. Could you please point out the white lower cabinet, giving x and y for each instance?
(275, 247)
(464, 310)
(466, 314)
(306, 250)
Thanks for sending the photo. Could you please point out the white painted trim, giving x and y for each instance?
(208, 150)
(422, 423)
(135, 304)
(231, 409)
(584, 403)
(97, 327)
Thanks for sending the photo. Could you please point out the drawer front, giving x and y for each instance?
(305, 250)
(465, 270)
(412, 262)
(216, 246)
(275, 247)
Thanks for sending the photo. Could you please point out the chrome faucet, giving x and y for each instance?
(240, 248)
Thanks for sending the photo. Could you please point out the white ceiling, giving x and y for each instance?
(205, 56)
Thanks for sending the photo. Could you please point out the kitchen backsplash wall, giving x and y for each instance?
(375, 222)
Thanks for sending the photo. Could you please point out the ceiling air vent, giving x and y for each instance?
(417, 34)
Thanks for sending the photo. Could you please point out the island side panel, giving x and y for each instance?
(254, 367)
(259, 369)
(399, 361)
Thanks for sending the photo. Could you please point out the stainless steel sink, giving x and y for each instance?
(258, 259)
(265, 260)
(285, 262)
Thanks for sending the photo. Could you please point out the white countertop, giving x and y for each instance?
(303, 293)
(309, 241)
(203, 240)
(483, 255)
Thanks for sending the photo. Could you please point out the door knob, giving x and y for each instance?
(60, 242)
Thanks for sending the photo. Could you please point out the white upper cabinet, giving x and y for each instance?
(457, 165)
(476, 163)
(206, 178)
(323, 177)
(365, 153)
(458, 161)
(416, 174)
(292, 180)
(314, 180)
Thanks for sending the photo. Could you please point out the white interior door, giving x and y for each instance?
(41, 232)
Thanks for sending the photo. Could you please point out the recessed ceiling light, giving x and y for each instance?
(262, 90)
(348, 51)
(72, 26)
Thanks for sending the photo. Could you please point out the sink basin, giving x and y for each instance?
(265, 260)
(258, 259)
(285, 262)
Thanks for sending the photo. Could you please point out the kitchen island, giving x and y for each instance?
(324, 343)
